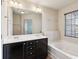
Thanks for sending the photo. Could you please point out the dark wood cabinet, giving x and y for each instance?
(13, 51)
(35, 49)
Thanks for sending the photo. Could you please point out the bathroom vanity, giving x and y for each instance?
(21, 34)
(31, 49)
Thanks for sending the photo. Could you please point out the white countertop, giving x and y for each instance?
(21, 38)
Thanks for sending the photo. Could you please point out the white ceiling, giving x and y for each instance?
(55, 4)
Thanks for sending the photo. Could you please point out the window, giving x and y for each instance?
(71, 24)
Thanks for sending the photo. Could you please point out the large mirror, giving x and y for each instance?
(26, 22)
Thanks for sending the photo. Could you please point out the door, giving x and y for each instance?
(13, 51)
(28, 26)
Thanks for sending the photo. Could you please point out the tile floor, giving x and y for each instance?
(48, 57)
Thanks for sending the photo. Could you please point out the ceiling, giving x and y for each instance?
(55, 4)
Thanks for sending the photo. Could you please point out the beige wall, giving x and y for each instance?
(49, 19)
(4, 30)
(16, 24)
(61, 20)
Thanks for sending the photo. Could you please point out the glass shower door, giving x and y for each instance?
(28, 26)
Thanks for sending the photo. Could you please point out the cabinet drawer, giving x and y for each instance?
(29, 53)
(32, 44)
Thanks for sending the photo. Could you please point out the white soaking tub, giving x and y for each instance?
(63, 50)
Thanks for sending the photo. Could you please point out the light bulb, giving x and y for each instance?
(20, 5)
(22, 12)
(34, 8)
(16, 4)
(39, 10)
(11, 3)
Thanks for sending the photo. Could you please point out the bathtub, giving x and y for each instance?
(63, 50)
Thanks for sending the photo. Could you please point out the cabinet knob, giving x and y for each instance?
(31, 53)
(30, 48)
(30, 42)
(24, 43)
(36, 41)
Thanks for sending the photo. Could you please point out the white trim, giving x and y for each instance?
(71, 56)
(52, 55)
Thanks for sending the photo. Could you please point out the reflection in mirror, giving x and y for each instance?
(26, 22)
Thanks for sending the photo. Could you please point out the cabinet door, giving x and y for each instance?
(36, 49)
(13, 51)
(29, 50)
(43, 49)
